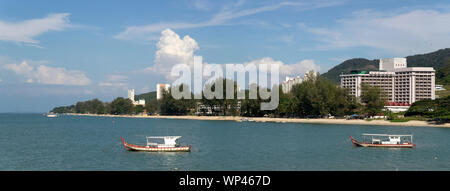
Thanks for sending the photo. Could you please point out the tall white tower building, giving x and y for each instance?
(131, 95)
(160, 88)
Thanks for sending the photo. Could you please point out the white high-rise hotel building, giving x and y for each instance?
(287, 85)
(160, 88)
(401, 84)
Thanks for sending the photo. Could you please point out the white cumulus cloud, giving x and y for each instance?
(173, 50)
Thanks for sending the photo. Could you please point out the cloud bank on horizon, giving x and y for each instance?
(43, 74)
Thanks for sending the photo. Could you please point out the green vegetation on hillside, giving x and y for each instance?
(435, 59)
(146, 96)
(443, 74)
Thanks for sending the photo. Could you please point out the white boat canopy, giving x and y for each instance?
(164, 137)
(386, 135)
(392, 138)
(169, 141)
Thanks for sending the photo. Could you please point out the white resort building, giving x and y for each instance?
(401, 84)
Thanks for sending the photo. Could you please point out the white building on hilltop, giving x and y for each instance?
(160, 88)
(131, 97)
(402, 85)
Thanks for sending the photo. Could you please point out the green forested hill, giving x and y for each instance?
(146, 96)
(439, 60)
(349, 65)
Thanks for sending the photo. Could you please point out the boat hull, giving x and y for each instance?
(131, 147)
(364, 144)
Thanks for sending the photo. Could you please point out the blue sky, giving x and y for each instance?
(58, 52)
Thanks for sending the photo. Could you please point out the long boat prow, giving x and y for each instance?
(124, 145)
(353, 141)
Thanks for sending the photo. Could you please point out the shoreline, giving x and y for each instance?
(276, 120)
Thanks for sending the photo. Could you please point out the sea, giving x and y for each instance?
(85, 143)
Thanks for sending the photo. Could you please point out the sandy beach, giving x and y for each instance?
(279, 120)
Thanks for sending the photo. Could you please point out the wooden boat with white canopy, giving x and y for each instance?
(380, 140)
(170, 145)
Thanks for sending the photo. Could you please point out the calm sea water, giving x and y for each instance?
(35, 142)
